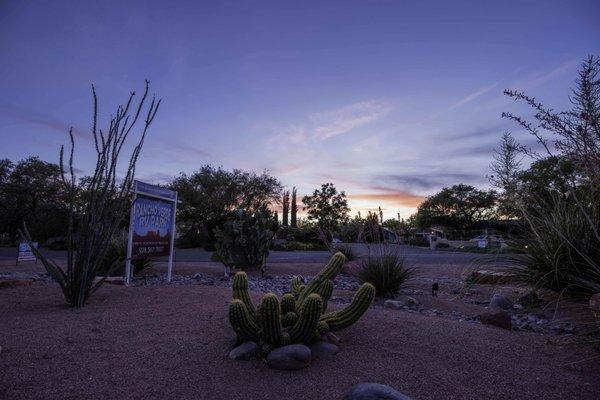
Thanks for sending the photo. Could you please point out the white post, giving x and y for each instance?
(170, 265)
(130, 242)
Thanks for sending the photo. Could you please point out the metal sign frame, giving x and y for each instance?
(155, 192)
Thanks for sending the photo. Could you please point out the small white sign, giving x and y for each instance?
(25, 253)
(482, 243)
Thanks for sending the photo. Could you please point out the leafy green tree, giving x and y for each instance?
(210, 194)
(327, 207)
(31, 191)
(458, 207)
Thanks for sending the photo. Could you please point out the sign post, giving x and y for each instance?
(151, 225)
(25, 252)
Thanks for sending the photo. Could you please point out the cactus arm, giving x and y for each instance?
(288, 303)
(240, 291)
(289, 319)
(360, 303)
(325, 290)
(329, 272)
(270, 320)
(296, 285)
(304, 329)
(242, 322)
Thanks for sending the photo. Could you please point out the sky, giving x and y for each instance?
(389, 100)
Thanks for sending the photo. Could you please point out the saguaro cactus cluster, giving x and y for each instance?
(300, 316)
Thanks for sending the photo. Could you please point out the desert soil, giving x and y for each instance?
(172, 341)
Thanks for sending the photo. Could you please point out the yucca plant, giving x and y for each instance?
(385, 269)
(96, 210)
(116, 256)
(562, 247)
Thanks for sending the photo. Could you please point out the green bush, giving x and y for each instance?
(298, 246)
(386, 271)
(244, 240)
(116, 255)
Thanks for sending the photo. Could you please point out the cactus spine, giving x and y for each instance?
(325, 290)
(242, 322)
(288, 303)
(304, 329)
(360, 303)
(240, 291)
(270, 320)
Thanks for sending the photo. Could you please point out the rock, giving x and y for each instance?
(530, 299)
(5, 283)
(491, 277)
(402, 301)
(244, 351)
(500, 301)
(496, 317)
(393, 304)
(374, 391)
(291, 357)
(323, 350)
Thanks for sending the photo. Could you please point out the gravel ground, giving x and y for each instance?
(163, 342)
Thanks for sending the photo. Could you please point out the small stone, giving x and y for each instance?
(393, 304)
(291, 357)
(500, 301)
(499, 318)
(401, 302)
(244, 351)
(530, 299)
(374, 391)
(323, 350)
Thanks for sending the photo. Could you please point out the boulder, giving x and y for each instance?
(496, 317)
(244, 351)
(401, 302)
(491, 277)
(500, 301)
(291, 357)
(374, 391)
(323, 350)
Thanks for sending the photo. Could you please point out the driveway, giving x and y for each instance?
(414, 255)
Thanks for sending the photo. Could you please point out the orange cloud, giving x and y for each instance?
(400, 198)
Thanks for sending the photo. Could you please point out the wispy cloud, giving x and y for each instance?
(469, 98)
(324, 125)
(399, 197)
(40, 119)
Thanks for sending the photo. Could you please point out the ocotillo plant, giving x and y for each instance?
(300, 316)
(96, 210)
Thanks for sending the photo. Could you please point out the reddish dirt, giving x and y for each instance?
(167, 342)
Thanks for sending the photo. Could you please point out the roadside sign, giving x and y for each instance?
(151, 225)
(25, 252)
(482, 243)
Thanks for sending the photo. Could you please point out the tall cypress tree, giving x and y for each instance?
(286, 207)
(294, 221)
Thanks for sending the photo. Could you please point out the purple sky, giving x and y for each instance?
(390, 100)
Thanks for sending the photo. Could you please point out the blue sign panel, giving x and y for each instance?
(152, 223)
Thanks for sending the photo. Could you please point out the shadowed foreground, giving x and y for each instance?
(172, 342)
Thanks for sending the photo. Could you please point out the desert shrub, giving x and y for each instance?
(244, 240)
(562, 248)
(116, 255)
(417, 241)
(386, 271)
(348, 251)
(298, 246)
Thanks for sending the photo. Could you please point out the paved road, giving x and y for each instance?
(414, 255)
